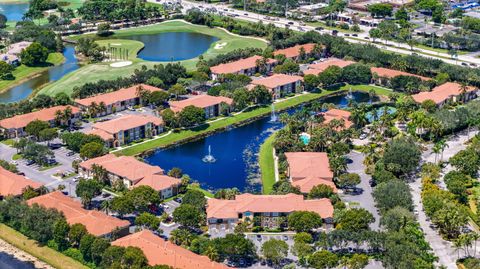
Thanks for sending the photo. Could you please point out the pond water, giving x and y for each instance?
(235, 151)
(176, 46)
(13, 11)
(54, 73)
(9, 262)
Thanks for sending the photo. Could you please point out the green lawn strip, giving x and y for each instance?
(323, 25)
(207, 193)
(8, 142)
(366, 88)
(22, 72)
(267, 164)
(44, 168)
(96, 72)
(16, 157)
(44, 253)
(222, 123)
(132, 46)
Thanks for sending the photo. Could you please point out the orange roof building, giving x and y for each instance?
(267, 207)
(309, 169)
(247, 66)
(132, 173)
(337, 114)
(96, 222)
(449, 91)
(294, 52)
(381, 74)
(280, 85)
(13, 184)
(315, 69)
(128, 128)
(162, 252)
(211, 104)
(117, 100)
(15, 126)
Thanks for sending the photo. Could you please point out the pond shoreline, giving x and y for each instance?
(22, 256)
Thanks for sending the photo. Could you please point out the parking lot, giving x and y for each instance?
(259, 238)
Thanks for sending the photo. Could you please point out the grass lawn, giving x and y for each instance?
(44, 168)
(267, 164)
(132, 46)
(8, 142)
(46, 254)
(23, 72)
(207, 193)
(366, 88)
(96, 72)
(182, 135)
(16, 157)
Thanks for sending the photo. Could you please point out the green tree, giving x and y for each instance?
(380, 9)
(188, 215)
(92, 150)
(401, 156)
(275, 250)
(195, 198)
(5, 68)
(391, 194)
(191, 116)
(34, 55)
(304, 221)
(142, 197)
(148, 221)
(330, 76)
(48, 134)
(348, 180)
(133, 257)
(401, 14)
(396, 218)
(357, 261)
(35, 127)
(466, 161)
(357, 74)
(177, 90)
(60, 234)
(323, 259)
(87, 190)
(99, 246)
(76, 233)
(354, 219)
(321, 191)
(175, 172)
(86, 244)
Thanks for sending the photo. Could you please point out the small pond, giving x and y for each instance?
(54, 73)
(235, 151)
(13, 11)
(176, 46)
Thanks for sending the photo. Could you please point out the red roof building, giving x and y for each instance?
(383, 75)
(449, 91)
(116, 100)
(13, 184)
(15, 126)
(96, 222)
(294, 52)
(162, 252)
(315, 69)
(247, 66)
(267, 207)
(309, 169)
(211, 104)
(280, 85)
(128, 128)
(337, 114)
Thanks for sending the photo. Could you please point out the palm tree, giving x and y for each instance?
(93, 109)
(67, 114)
(102, 108)
(212, 253)
(106, 206)
(458, 245)
(58, 117)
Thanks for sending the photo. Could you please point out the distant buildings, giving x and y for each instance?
(248, 66)
(120, 131)
(111, 102)
(447, 92)
(315, 69)
(12, 184)
(294, 52)
(132, 173)
(309, 169)
(97, 223)
(269, 211)
(12, 56)
(15, 126)
(280, 85)
(383, 76)
(162, 252)
(210, 104)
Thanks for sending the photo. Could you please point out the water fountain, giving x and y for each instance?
(349, 94)
(209, 157)
(273, 117)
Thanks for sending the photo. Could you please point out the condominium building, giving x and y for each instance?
(248, 66)
(279, 85)
(210, 104)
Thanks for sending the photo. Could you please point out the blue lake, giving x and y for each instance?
(9, 262)
(235, 150)
(54, 73)
(176, 46)
(13, 11)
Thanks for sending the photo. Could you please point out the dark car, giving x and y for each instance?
(70, 153)
(372, 182)
(29, 162)
(319, 28)
(354, 35)
(464, 64)
(178, 200)
(21, 173)
(346, 34)
(290, 22)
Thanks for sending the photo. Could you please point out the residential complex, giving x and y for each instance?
(248, 66)
(447, 92)
(280, 85)
(115, 101)
(317, 68)
(12, 56)
(269, 211)
(309, 169)
(12, 184)
(15, 126)
(382, 75)
(126, 129)
(337, 114)
(294, 52)
(97, 223)
(210, 104)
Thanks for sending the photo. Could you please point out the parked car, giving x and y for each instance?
(363, 136)
(346, 34)
(355, 35)
(319, 28)
(178, 200)
(70, 153)
(291, 22)
(21, 173)
(464, 64)
(29, 162)
(259, 237)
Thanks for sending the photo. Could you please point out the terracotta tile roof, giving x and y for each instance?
(96, 222)
(159, 251)
(159, 182)
(441, 93)
(116, 96)
(202, 101)
(309, 164)
(315, 69)
(276, 80)
(390, 73)
(46, 114)
(239, 65)
(337, 114)
(222, 209)
(13, 184)
(124, 166)
(111, 127)
(307, 184)
(294, 51)
(103, 135)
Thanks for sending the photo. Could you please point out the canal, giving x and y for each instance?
(235, 151)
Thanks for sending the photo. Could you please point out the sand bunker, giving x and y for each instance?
(121, 64)
(220, 46)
